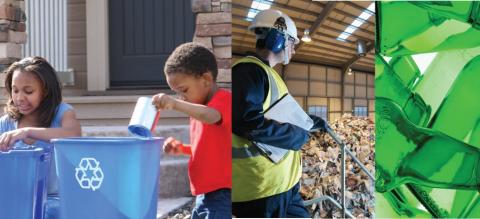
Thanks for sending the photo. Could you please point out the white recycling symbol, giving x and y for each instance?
(89, 174)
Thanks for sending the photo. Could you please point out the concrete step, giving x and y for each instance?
(115, 110)
(180, 132)
(167, 205)
(174, 180)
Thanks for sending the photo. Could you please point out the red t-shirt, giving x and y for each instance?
(210, 165)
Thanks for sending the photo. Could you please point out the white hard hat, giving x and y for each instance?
(267, 19)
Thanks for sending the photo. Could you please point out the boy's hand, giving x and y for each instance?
(162, 101)
(8, 139)
(172, 146)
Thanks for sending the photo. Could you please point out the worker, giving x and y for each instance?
(261, 187)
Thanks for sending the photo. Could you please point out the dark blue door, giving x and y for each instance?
(142, 34)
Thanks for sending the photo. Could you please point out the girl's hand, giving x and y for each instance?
(8, 139)
(172, 146)
(162, 101)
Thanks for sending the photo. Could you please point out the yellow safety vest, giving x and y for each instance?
(254, 176)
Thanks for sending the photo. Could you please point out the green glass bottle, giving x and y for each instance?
(462, 123)
(427, 138)
(426, 157)
(437, 26)
(457, 163)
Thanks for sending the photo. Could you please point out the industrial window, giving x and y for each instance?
(357, 23)
(257, 6)
(320, 111)
(360, 111)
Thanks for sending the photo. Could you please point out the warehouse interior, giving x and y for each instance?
(333, 73)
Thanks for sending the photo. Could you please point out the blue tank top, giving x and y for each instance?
(9, 124)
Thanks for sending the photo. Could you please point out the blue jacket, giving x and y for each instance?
(249, 90)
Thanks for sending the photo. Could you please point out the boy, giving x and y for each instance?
(191, 72)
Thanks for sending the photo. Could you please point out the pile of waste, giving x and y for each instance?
(184, 212)
(322, 171)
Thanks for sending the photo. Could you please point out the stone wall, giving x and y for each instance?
(12, 31)
(214, 30)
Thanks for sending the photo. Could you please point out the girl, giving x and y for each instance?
(35, 114)
(34, 108)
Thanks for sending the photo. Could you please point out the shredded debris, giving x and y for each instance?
(321, 168)
(185, 212)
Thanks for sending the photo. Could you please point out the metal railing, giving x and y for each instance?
(344, 151)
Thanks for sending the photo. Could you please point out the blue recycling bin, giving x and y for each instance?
(44, 172)
(23, 174)
(108, 177)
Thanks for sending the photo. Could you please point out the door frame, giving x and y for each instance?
(98, 71)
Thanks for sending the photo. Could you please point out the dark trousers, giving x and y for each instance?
(286, 204)
(213, 205)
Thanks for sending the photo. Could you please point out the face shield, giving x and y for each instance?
(289, 45)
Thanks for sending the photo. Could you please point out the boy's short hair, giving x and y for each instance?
(193, 59)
